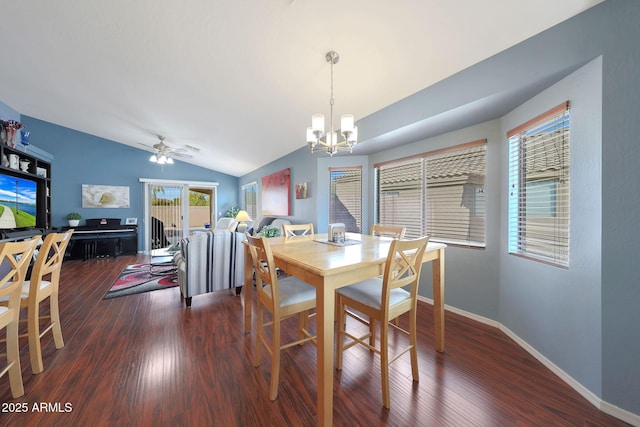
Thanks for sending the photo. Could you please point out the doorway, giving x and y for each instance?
(174, 210)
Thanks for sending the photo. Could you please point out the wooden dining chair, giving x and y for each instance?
(394, 231)
(14, 261)
(44, 283)
(297, 229)
(284, 298)
(383, 299)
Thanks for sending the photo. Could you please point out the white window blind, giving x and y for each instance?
(401, 196)
(455, 195)
(345, 197)
(539, 187)
(249, 193)
(440, 194)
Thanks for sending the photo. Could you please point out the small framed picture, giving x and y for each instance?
(302, 191)
(131, 221)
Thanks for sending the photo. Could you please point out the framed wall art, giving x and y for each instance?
(302, 191)
(276, 189)
(105, 196)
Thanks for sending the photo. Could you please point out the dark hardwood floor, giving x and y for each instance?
(145, 360)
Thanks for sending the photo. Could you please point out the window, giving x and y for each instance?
(539, 187)
(440, 194)
(249, 194)
(345, 197)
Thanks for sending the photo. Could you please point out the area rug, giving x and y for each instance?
(137, 278)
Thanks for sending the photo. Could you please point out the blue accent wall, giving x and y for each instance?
(80, 158)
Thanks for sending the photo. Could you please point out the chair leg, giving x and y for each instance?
(33, 327)
(413, 341)
(13, 360)
(55, 321)
(303, 323)
(258, 353)
(187, 301)
(384, 364)
(275, 359)
(372, 332)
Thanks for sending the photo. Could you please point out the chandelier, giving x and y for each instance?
(163, 154)
(318, 140)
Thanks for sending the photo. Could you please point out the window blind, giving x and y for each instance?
(401, 196)
(455, 196)
(539, 197)
(440, 194)
(345, 197)
(249, 192)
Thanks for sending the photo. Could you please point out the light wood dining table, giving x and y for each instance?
(328, 267)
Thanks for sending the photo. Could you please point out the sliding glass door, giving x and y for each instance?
(175, 209)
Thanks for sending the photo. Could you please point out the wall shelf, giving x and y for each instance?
(39, 171)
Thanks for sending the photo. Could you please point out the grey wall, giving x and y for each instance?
(472, 275)
(558, 311)
(303, 169)
(586, 319)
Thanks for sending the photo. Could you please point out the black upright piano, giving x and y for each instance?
(104, 237)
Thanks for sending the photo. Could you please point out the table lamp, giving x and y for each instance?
(242, 217)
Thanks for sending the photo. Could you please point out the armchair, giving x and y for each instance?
(209, 262)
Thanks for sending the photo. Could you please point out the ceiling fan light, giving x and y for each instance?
(169, 161)
(153, 158)
(163, 159)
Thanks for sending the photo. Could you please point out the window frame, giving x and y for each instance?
(430, 191)
(357, 213)
(250, 193)
(539, 156)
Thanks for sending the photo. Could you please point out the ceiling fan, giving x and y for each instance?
(164, 154)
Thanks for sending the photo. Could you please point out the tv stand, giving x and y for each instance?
(12, 235)
(32, 165)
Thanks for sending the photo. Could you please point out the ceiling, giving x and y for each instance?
(240, 79)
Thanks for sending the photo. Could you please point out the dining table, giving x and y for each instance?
(328, 266)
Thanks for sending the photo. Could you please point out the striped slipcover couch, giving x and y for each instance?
(210, 261)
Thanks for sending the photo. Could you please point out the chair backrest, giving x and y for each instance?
(264, 266)
(226, 224)
(279, 222)
(394, 231)
(15, 257)
(49, 261)
(213, 261)
(403, 267)
(158, 237)
(297, 229)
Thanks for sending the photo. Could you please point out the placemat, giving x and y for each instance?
(347, 242)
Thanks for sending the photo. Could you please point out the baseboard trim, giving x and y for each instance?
(605, 407)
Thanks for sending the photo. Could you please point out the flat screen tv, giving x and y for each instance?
(18, 202)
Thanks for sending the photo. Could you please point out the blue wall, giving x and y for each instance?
(80, 158)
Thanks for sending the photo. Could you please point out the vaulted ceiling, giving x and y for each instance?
(239, 80)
